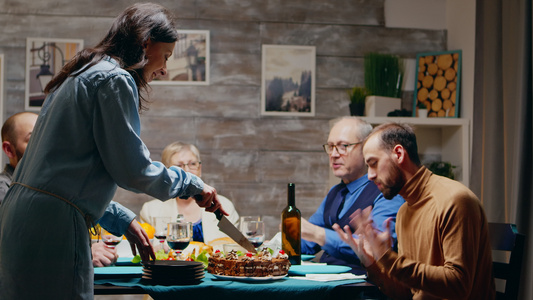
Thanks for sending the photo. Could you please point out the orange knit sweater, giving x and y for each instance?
(444, 250)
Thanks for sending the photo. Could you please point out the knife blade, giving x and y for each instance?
(228, 228)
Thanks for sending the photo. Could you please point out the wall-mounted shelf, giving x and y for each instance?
(443, 139)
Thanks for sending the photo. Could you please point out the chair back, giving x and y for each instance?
(505, 237)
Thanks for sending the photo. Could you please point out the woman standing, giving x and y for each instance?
(85, 143)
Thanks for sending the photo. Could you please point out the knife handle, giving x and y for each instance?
(217, 212)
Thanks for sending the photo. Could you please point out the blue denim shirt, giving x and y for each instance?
(87, 141)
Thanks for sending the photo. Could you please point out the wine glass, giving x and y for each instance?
(254, 232)
(110, 240)
(179, 235)
(160, 225)
(245, 219)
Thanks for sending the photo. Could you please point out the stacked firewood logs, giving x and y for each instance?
(437, 83)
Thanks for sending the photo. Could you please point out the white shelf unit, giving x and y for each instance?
(444, 138)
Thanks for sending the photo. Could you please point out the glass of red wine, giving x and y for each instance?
(160, 226)
(179, 235)
(254, 232)
(110, 240)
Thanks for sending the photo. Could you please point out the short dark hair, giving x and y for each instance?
(392, 134)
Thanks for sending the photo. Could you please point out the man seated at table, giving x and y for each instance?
(16, 133)
(444, 250)
(355, 191)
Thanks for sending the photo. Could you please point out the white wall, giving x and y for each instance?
(423, 14)
(461, 25)
(458, 17)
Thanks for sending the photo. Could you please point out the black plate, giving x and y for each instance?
(184, 275)
(177, 277)
(150, 281)
(163, 264)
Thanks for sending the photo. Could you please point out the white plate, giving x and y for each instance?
(244, 278)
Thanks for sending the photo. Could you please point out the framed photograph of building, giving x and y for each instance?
(437, 88)
(288, 80)
(189, 64)
(44, 58)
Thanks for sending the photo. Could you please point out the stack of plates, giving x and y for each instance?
(172, 272)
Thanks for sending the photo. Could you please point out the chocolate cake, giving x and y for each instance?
(262, 264)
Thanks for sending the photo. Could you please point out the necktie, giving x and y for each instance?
(338, 202)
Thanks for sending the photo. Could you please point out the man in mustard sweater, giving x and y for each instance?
(443, 245)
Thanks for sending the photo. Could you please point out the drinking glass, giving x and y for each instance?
(110, 240)
(245, 219)
(160, 225)
(179, 235)
(254, 232)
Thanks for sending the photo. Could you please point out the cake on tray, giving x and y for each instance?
(262, 264)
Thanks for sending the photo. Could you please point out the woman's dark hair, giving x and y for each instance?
(392, 134)
(125, 42)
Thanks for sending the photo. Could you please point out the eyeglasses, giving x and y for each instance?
(193, 165)
(341, 148)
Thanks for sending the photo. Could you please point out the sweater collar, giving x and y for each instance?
(414, 188)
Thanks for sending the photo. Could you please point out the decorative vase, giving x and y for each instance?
(379, 106)
(422, 113)
(357, 109)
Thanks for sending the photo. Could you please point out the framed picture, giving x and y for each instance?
(2, 78)
(288, 80)
(44, 58)
(189, 64)
(438, 84)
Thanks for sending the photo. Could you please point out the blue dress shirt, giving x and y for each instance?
(383, 209)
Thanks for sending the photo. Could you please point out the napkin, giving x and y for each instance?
(330, 277)
(274, 243)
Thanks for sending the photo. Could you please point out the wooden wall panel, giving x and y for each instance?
(96, 8)
(248, 157)
(298, 167)
(370, 12)
(236, 69)
(350, 41)
(221, 167)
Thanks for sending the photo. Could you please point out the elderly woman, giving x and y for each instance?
(205, 229)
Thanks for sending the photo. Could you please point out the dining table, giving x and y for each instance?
(124, 278)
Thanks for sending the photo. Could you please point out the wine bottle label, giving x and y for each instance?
(291, 238)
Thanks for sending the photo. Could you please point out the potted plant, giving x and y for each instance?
(442, 168)
(422, 109)
(383, 80)
(357, 100)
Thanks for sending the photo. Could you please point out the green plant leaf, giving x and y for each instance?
(358, 94)
(383, 75)
(136, 259)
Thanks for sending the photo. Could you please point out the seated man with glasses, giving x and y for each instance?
(205, 224)
(353, 192)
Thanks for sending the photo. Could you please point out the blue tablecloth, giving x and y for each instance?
(285, 288)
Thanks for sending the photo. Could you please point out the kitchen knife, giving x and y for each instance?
(228, 228)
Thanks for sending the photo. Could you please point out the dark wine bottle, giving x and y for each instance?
(291, 229)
